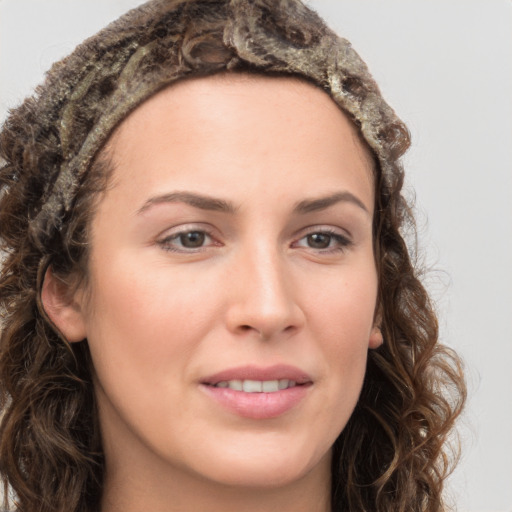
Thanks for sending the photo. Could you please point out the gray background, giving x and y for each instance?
(446, 67)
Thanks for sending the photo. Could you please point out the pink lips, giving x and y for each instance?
(258, 405)
(276, 372)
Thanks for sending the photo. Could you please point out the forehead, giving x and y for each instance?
(227, 126)
(288, 97)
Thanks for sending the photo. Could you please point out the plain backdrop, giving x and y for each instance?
(446, 67)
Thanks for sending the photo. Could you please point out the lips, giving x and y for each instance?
(258, 393)
(257, 386)
(254, 373)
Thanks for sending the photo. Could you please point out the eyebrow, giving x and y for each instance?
(322, 203)
(196, 200)
(209, 203)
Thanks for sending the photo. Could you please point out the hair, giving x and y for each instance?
(393, 454)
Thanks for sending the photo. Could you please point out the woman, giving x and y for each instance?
(207, 301)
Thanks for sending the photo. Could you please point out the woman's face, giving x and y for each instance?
(232, 285)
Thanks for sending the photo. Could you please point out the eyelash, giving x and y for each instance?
(166, 242)
(342, 242)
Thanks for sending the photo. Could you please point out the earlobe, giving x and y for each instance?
(376, 338)
(62, 307)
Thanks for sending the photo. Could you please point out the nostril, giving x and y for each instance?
(244, 328)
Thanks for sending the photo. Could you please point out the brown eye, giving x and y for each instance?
(192, 239)
(324, 242)
(187, 241)
(319, 240)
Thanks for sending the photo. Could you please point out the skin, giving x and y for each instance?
(258, 289)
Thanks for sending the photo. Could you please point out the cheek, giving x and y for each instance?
(342, 318)
(344, 309)
(141, 324)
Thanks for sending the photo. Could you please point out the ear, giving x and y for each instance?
(63, 307)
(376, 339)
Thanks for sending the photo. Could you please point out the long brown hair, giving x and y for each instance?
(392, 455)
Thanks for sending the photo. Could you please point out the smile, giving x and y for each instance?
(258, 393)
(257, 386)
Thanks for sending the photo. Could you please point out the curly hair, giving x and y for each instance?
(393, 454)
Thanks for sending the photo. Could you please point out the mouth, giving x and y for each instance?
(252, 379)
(257, 386)
(258, 393)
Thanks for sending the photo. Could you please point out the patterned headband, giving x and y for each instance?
(86, 95)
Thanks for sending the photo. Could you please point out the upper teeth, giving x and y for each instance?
(257, 386)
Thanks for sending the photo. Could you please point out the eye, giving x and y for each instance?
(192, 239)
(319, 240)
(187, 241)
(325, 241)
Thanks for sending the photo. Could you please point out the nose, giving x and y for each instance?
(263, 298)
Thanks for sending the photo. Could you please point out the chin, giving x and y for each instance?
(264, 465)
(254, 476)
